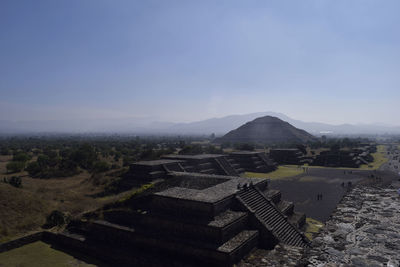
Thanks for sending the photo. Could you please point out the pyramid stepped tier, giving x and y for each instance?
(252, 161)
(298, 219)
(189, 219)
(286, 207)
(200, 195)
(217, 230)
(235, 165)
(118, 244)
(274, 195)
(341, 158)
(224, 164)
(145, 171)
(269, 215)
(205, 163)
(231, 165)
(288, 156)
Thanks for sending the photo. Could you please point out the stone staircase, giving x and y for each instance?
(235, 165)
(269, 162)
(223, 163)
(173, 168)
(251, 161)
(269, 215)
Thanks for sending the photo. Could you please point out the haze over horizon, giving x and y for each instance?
(183, 61)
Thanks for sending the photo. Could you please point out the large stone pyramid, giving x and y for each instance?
(266, 130)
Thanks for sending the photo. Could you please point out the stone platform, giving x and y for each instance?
(197, 219)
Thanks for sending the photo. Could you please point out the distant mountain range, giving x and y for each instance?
(150, 125)
(266, 130)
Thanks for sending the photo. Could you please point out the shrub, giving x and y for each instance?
(15, 166)
(43, 161)
(115, 166)
(85, 156)
(56, 218)
(100, 166)
(33, 169)
(21, 156)
(15, 181)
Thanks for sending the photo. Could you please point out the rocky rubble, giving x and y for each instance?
(281, 255)
(363, 231)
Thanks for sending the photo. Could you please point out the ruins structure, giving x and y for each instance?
(196, 218)
(288, 156)
(221, 164)
(353, 158)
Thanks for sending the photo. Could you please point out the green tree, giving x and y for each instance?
(43, 161)
(21, 156)
(56, 218)
(68, 165)
(34, 169)
(100, 166)
(15, 166)
(85, 156)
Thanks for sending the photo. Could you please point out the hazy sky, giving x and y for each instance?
(330, 61)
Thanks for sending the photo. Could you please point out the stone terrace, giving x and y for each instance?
(222, 187)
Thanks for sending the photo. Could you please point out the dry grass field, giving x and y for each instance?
(379, 159)
(25, 209)
(281, 172)
(39, 254)
(312, 228)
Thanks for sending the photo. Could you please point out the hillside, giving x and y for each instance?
(266, 130)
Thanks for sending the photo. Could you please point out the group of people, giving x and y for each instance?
(305, 169)
(245, 185)
(349, 184)
(319, 196)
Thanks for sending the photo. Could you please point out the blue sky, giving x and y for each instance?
(330, 61)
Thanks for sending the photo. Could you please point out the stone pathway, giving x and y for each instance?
(363, 231)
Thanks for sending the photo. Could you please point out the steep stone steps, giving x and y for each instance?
(272, 217)
(226, 166)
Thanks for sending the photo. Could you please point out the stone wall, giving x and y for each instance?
(16, 243)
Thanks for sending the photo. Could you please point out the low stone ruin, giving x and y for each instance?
(288, 156)
(199, 219)
(231, 164)
(343, 158)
